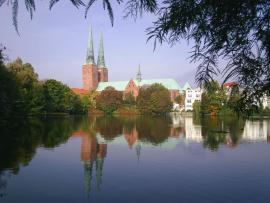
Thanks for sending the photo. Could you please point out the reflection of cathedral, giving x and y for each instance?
(92, 155)
(131, 136)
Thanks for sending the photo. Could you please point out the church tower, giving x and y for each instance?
(92, 73)
(102, 70)
(89, 70)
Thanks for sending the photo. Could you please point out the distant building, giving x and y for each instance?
(191, 96)
(95, 77)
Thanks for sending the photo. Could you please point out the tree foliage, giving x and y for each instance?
(60, 98)
(180, 99)
(129, 100)
(30, 90)
(154, 100)
(214, 99)
(9, 93)
(22, 93)
(109, 100)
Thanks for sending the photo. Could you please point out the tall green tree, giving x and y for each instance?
(129, 100)
(109, 100)
(154, 100)
(234, 98)
(29, 87)
(60, 98)
(9, 92)
(214, 99)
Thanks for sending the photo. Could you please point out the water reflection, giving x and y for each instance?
(92, 156)
(20, 139)
(164, 133)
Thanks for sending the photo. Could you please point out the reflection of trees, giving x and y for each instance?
(150, 129)
(20, 139)
(225, 130)
(155, 130)
(3, 183)
(109, 127)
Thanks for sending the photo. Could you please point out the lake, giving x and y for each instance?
(135, 159)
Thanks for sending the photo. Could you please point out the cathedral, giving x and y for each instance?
(95, 76)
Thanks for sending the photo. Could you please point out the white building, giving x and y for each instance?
(192, 95)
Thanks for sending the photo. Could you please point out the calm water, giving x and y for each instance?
(173, 159)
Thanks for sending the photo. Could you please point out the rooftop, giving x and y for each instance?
(170, 84)
(80, 91)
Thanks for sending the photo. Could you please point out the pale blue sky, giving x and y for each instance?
(54, 42)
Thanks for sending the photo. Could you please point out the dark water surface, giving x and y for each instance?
(173, 159)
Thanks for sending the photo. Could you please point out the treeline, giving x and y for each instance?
(153, 100)
(22, 93)
(218, 100)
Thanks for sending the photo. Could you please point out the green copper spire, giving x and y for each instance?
(90, 59)
(139, 75)
(101, 58)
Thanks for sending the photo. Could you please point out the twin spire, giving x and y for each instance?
(90, 58)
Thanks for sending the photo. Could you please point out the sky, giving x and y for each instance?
(55, 42)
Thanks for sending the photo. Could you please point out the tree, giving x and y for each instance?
(30, 90)
(214, 99)
(109, 100)
(154, 100)
(234, 98)
(196, 108)
(9, 92)
(129, 100)
(180, 99)
(60, 98)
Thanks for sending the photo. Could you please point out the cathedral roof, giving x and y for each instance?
(118, 85)
(170, 84)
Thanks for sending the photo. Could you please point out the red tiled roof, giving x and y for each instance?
(80, 91)
(230, 84)
(79, 134)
